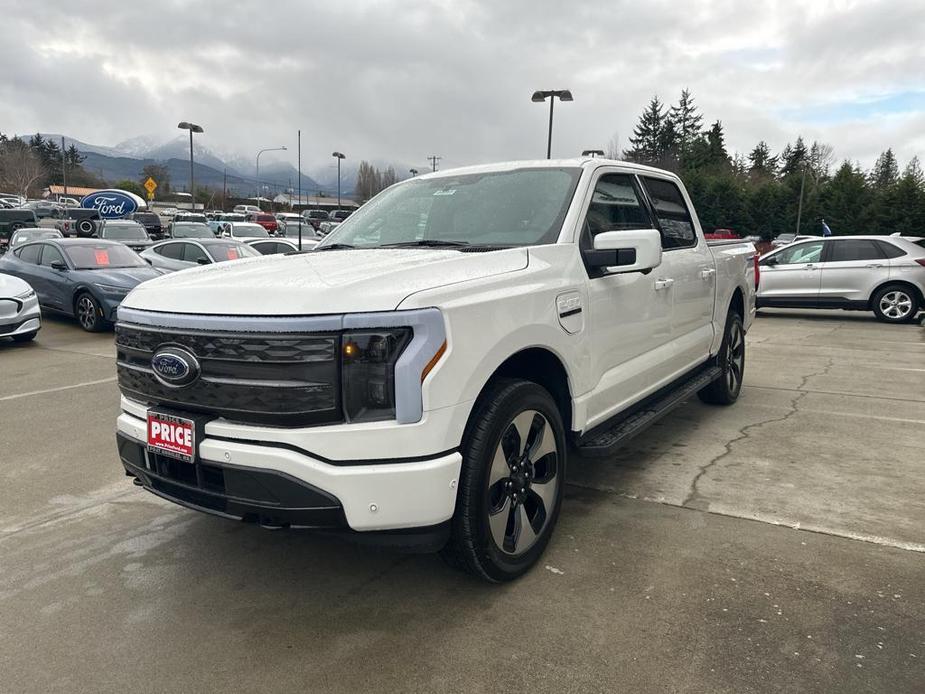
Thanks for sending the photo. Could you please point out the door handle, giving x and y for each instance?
(663, 284)
(809, 266)
(707, 273)
(874, 265)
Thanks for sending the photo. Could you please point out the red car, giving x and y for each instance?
(267, 221)
(721, 235)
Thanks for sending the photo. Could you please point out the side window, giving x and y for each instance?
(800, 253)
(30, 253)
(615, 206)
(854, 249)
(889, 250)
(50, 255)
(174, 251)
(192, 253)
(673, 215)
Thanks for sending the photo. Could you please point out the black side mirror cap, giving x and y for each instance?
(57, 265)
(609, 258)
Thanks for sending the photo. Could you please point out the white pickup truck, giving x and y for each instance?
(421, 377)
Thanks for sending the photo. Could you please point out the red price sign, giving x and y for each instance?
(102, 257)
(232, 254)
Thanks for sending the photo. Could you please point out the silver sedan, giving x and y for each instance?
(883, 274)
(180, 254)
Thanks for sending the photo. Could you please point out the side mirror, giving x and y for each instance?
(625, 251)
(771, 262)
(58, 265)
(203, 261)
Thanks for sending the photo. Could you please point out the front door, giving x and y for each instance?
(791, 277)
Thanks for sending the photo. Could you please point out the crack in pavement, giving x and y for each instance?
(694, 499)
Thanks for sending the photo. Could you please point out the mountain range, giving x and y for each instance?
(126, 160)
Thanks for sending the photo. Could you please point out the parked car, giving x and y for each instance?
(79, 221)
(245, 231)
(326, 228)
(315, 217)
(132, 234)
(45, 208)
(285, 218)
(152, 224)
(232, 217)
(424, 384)
(784, 239)
(180, 255)
(883, 274)
(722, 235)
(267, 221)
(218, 227)
(246, 209)
(21, 236)
(68, 201)
(20, 315)
(190, 230)
(12, 220)
(275, 246)
(294, 227)
(84, 278)
(339, 215)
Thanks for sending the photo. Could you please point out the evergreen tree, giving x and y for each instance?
(793, 158)
(687, 123)
(648, 139)
(717, 156)
(762, 164)
(886, 170)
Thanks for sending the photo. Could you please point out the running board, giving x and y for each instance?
(605, 443)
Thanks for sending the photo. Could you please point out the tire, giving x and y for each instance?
(731, 359)
(895, 303)
(489, 538)
(85, 227)
(88, 313)
(25, 337)
(16, 226)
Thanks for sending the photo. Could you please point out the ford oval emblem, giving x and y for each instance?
(175, 367)
(111, 204)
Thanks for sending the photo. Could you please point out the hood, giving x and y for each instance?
(12, 286)
(345, 281)
(127, 277)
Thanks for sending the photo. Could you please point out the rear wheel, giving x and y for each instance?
(88, 313)
(510, 488)
(895, 303)
(731, 360)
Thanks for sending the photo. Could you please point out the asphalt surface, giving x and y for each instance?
(775, 546)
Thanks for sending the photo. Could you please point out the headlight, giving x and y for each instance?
(368, 366)
(26, 295)
(112, 289)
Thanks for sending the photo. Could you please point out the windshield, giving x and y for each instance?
(523, 207)
(123, 231)
(201, 218)
(96, 256)
(248, 230)
(230, 251)
(192, 231)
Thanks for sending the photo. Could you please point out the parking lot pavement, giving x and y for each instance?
(106, 588)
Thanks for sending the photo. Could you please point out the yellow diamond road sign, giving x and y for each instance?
(150, 185)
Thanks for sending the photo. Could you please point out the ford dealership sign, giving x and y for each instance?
(112, 204)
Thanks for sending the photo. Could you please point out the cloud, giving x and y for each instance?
(391, 80)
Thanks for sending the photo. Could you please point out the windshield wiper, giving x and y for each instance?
(334, 247)
(426, 243)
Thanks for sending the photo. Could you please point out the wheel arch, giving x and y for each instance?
(895, 283)
(541, 366)
(737, 302)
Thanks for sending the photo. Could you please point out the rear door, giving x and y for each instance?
(688, 269)
(850, 270)
(28, 269)
(57, 284)
(171, 256)
(791, 276)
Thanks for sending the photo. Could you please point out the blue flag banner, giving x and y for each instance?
(825, 229)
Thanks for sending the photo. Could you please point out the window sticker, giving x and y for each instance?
(102, 257)
(452, 191)
(232, 254)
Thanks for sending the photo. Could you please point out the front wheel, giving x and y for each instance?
(731, 361)
(88, 313)
(895, 304)
(510, 489)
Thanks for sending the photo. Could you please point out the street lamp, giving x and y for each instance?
(551, 94)
(193, 128)
(592, 153)
(338, 156)
(268, 149)
(414, 172)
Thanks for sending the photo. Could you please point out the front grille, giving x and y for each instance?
(285, 379)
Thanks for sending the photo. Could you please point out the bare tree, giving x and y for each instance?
(20, 167)
(613, 151)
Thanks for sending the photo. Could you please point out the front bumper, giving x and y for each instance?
(361, 497)
(27, 319)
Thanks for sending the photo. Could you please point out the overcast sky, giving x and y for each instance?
(398, 80)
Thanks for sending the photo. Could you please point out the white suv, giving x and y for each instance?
(419, 377)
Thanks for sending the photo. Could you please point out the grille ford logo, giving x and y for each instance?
(175, 367)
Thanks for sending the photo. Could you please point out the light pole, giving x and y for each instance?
(413, 172)
(268, 149)
(551, 94)
(592, 153)
(338, 156)
(193, 128)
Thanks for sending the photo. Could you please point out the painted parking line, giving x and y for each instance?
(55, 390)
